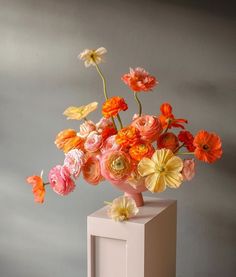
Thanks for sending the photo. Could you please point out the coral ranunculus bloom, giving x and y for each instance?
(168, 119)
(68, 139)
(113, 106)
(208, 146)
(139, 80)
(168, 141)
(92, 171)
(141, 150)
(38, 188)
(128, 136)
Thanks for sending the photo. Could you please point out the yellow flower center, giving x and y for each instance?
(160, 169)
(118, 164)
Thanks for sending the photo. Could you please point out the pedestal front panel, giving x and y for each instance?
(144, 246)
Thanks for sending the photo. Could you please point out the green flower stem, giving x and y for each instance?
(185, 153)
(45, 184)
(108, 203)
(139, 103)
(103, 80)
(119, 119)
(113, 121)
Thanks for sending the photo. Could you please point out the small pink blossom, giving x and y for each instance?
(60, 180)
(92, 171)
(86, 128)
(149, 127)
(103, 123)
(188, 171)
(93, 142)
(110, 144)
(74, 160)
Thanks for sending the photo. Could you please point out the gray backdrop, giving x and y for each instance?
(188, 45)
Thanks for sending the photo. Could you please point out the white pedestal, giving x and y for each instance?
(144, 246)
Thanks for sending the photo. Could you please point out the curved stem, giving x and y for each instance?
(177, 149)
(103, 80)
(108, 203)
(185, 153)
(119, 119)
(139, 103)
(113, 121)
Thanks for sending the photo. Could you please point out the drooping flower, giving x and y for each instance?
(38, 188)
(168, 119)
(188, 171)
(208, 146)
(110, 144)
(92, 171)
(113, 106)
(78, 113)
(74, 160)
(116, 166)
(60, 180)
(92, 57)
(139, 80)
(149, 127)
(141, 150)
(187, 138)
(68, 139)
(103, 124)
(93, 142)
(86, 128)
(122, 208)
(168, 141)
(127, 137)
(163, 169)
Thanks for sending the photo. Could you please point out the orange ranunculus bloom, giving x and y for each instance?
(141, 150)
(38, 188)
(139, 80)
(127, 137)
(168, 141)
(113, 106)
(168, 119)
(208, 146)
(68, 139)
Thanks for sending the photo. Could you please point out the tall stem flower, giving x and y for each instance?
(139, 103)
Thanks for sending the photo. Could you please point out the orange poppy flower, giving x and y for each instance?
(38, 188)
(167, 118)
(141, 150)
(113, 106)
(187, 138)
(168, 141)
(128, 136)
(68, 139)
(208, 146)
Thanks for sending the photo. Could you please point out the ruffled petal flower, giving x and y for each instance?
(92, 170)
(38, 188)
(113, 106)
(74, 160)
(189, 170)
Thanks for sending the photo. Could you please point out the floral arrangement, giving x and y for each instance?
(145, 155)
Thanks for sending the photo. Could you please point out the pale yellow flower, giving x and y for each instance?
(81, 112)
(163, 169)
(122, 208)
(92, 57)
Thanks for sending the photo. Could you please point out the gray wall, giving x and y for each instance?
(190, 48)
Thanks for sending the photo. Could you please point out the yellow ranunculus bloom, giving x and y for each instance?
(122, 208)
(81, 112)
(163, 169)
(92, 57)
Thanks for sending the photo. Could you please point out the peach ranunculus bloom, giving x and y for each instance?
(188, 170)
(93, 142)
(92, 57)
(116, 166)
(168, 141)
(110, 144)
(86, 128)
(74, 160)
(38, 188)
(122, 208)
(139, 80)
(60, 180)
(149, 127)
(92, 171)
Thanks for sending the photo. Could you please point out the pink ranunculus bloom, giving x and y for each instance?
(103, 123)
(74, 160)
(188, 171)
(116, 166)
(60, 180)
(92, 171)
(110, 144)
(149, 127)
(93, 142)
(86, 128)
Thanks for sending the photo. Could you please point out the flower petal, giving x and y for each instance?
(173, 179)
(146, 167)
(155, 182)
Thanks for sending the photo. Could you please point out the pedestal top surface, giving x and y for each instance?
(152, 208)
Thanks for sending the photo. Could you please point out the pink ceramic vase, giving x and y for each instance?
(135, 193)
